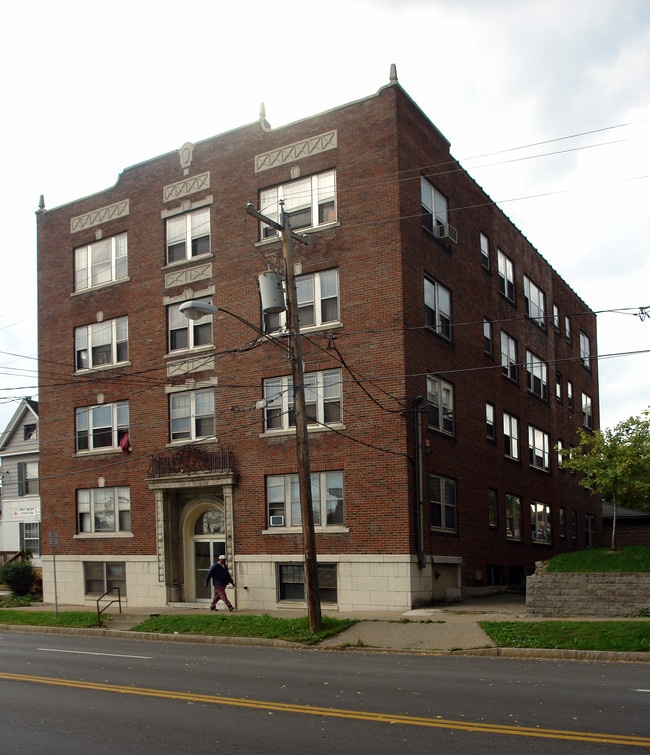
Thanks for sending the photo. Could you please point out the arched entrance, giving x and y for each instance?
(205, 540)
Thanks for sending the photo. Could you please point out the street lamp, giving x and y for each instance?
(195, 310)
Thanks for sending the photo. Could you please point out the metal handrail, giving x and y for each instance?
(110, 603)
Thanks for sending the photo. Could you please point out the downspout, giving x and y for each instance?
(417, 464)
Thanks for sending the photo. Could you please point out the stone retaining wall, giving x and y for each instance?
(593, 595)
(606, 595)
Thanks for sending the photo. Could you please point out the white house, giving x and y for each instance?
(20, 515)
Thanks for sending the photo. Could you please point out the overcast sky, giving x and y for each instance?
(545, 102)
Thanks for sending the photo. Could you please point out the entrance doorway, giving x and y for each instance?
(206, 552)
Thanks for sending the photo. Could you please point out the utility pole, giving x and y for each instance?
(302, 441)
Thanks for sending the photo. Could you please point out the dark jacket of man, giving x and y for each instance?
(219, 575)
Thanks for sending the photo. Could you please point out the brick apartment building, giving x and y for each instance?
(444, 359)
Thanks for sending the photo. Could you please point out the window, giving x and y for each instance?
(30, 432)
(291, 582)
(322, 400)
(102, 262)
(563, 522)
(540, 522)
(490, 424)
(513, 517)
(511, 436)
(492, 507)
(485, 251)
(102, 576)
(104, 510)
(191, 414)
(437, 308)
(569, 394)
(535, 301)
(30, 538)
(508, 356)
(538, 448)
(318, 302)
(103, 426)
(28, 483)
(309, 202)
(488, 346)
(537, 375)
(102, 343)
(574, 524)
(558, 387)
(587, 415)
(585, 350)
(434, 207)
(567, 328)
(283, 499)
(187, 334)
(442, 497)
(188, 235)
(560, 448)
(556, 318)
(440, 398)
(506, 275)
(590, 530)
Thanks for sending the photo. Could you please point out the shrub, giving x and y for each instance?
(19, 576)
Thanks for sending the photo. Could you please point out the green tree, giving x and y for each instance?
(615, 463)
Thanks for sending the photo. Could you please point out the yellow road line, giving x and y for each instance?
(439, 723)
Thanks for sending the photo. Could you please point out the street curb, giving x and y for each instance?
(601, 656)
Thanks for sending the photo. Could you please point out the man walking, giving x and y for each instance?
(220, 577)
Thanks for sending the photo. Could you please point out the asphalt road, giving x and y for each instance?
(102, 695)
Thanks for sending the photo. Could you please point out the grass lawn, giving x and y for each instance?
(83, 619)
(631, 558)
(616, 636)
(242, 625)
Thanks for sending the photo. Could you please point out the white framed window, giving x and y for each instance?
(558, 387)
(102, 344)
(509, 356)
(104, 576)
(513, 517)
(30, 431)
(309, 202)
(511, 436)
(537, 375)
(183, 333)
(567, 328)
(488, 344)
(535, 300)
(437, 308)
(28, 480)
(191, 414)
(100, 263)
(103, 510)
(560, 448)
(442, 498)
(540, 522)
(101, 427)
(485, 250)
(569, 394)
(30, 538)
(283, 500)
(435, 207)
(440, 399)
(188, 235)
(556, 318)
(291, 582)
(585, 350)
(318, 302)
(538, 448)
(490, 421)
(322, 400)
(506, 275)
(587, 412)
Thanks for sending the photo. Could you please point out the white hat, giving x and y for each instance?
(222, 557)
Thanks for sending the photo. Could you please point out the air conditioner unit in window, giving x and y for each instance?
(277, 520)
(446, 231)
